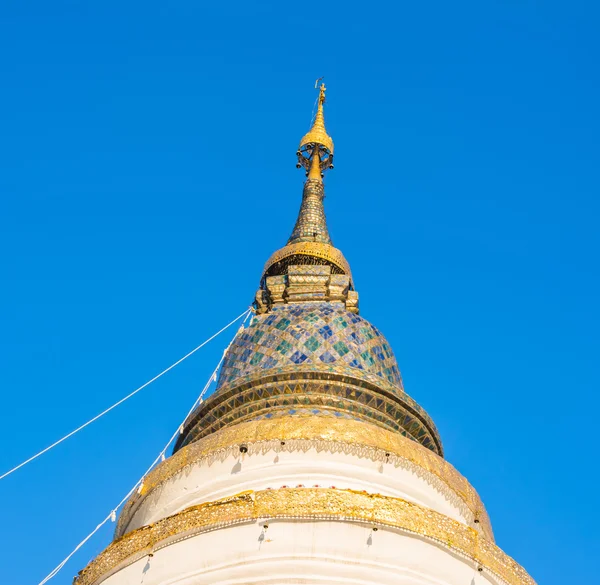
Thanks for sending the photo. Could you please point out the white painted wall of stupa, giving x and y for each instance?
(302, 552)
(212, 480)
(294, 551)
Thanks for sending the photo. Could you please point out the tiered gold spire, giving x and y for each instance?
(315, 154)
(310, 242)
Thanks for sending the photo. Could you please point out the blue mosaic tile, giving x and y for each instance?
(283, 324)
(323, 333)
(298, 357)
(258, 334)
(326, 332)
(327, 358)
(284, 347)
(341, 348)
(312, 344)
(356, 364)
(311, 317)
(368, 333)
(357, 338)
(340, 322)
(271, 319)
(269, 340)
(269, 363)
(378, 352)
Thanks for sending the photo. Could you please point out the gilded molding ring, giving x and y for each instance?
(317, 249)
(312, 504)
(335, 435)
(320, 373)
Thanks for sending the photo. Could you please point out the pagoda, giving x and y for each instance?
(309, 463)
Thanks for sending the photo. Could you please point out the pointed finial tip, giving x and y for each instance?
(316, 140)
(322, 89)
(322, 93)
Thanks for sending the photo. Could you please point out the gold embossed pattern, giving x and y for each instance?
(375, 396)
(326, 434)
(316, 249)
(312, 504)
(311, 225)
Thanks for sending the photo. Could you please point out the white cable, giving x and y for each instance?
(160, 456)
(89, 422)
(213, 376)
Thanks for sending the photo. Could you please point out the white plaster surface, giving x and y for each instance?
(302, 552)
(208, 481)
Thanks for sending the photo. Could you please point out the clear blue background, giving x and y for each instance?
(147, 162)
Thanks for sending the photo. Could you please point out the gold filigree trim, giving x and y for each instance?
(333, 435)
(318, 375)
(317, 249)
(310, 504)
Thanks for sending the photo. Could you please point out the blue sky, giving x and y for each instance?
(147, 171)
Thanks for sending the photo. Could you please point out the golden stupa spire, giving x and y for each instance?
(310, 242)
(316, 144)
(315, 154)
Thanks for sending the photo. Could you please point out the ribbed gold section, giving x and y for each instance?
(350, 436)
(311, 504)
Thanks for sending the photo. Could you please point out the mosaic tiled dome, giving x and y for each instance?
(303, 335)
(311, 359)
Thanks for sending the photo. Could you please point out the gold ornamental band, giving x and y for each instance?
(327, 434)
(317, 249)
(307, 504)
